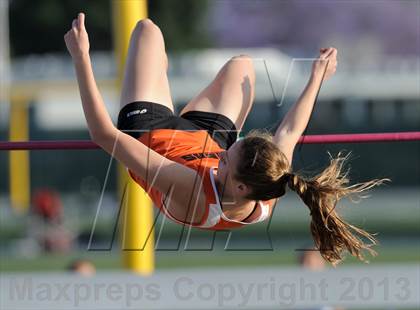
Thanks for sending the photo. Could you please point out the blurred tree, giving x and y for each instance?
(306, 25)
(38, 27)
(183, 23)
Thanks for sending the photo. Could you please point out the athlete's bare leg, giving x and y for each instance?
(231, 93)
(146, 67)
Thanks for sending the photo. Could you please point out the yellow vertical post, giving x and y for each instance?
(19, 178)
(137, 215)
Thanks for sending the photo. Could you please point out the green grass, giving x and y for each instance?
(183, 259)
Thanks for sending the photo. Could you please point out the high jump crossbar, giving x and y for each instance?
(309, 139)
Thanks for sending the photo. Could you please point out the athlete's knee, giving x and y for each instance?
(242, 56)
(147, 30)
(146, 24)
(242, 65)
(242, 61)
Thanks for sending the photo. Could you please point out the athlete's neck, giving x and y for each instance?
(227, 201)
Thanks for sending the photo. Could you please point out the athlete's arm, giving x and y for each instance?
(158, 171)
(77, 43)
(294, 123)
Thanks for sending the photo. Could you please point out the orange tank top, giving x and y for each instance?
(198, 151)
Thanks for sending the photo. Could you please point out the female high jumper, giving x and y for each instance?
(192, 165)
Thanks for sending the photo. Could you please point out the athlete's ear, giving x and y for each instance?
(244, 189)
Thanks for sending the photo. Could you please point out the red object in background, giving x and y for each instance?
(47, 204)
(323, 139)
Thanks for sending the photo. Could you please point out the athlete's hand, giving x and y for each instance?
(326, 64)
(77, 40)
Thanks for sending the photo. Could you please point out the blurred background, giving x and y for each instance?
(375, 89)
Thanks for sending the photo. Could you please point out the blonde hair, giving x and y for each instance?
(264, 168)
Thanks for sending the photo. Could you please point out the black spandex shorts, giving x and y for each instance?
(138, 117)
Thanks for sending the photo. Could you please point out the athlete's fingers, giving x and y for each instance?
(325, 53)
(333, 52)
(74, 23)
(330, 51)
(333, 57)
(81, 18)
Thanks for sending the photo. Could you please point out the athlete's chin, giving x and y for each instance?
(218, 169)
(220, 175)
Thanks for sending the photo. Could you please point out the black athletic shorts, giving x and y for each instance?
(138, 117)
